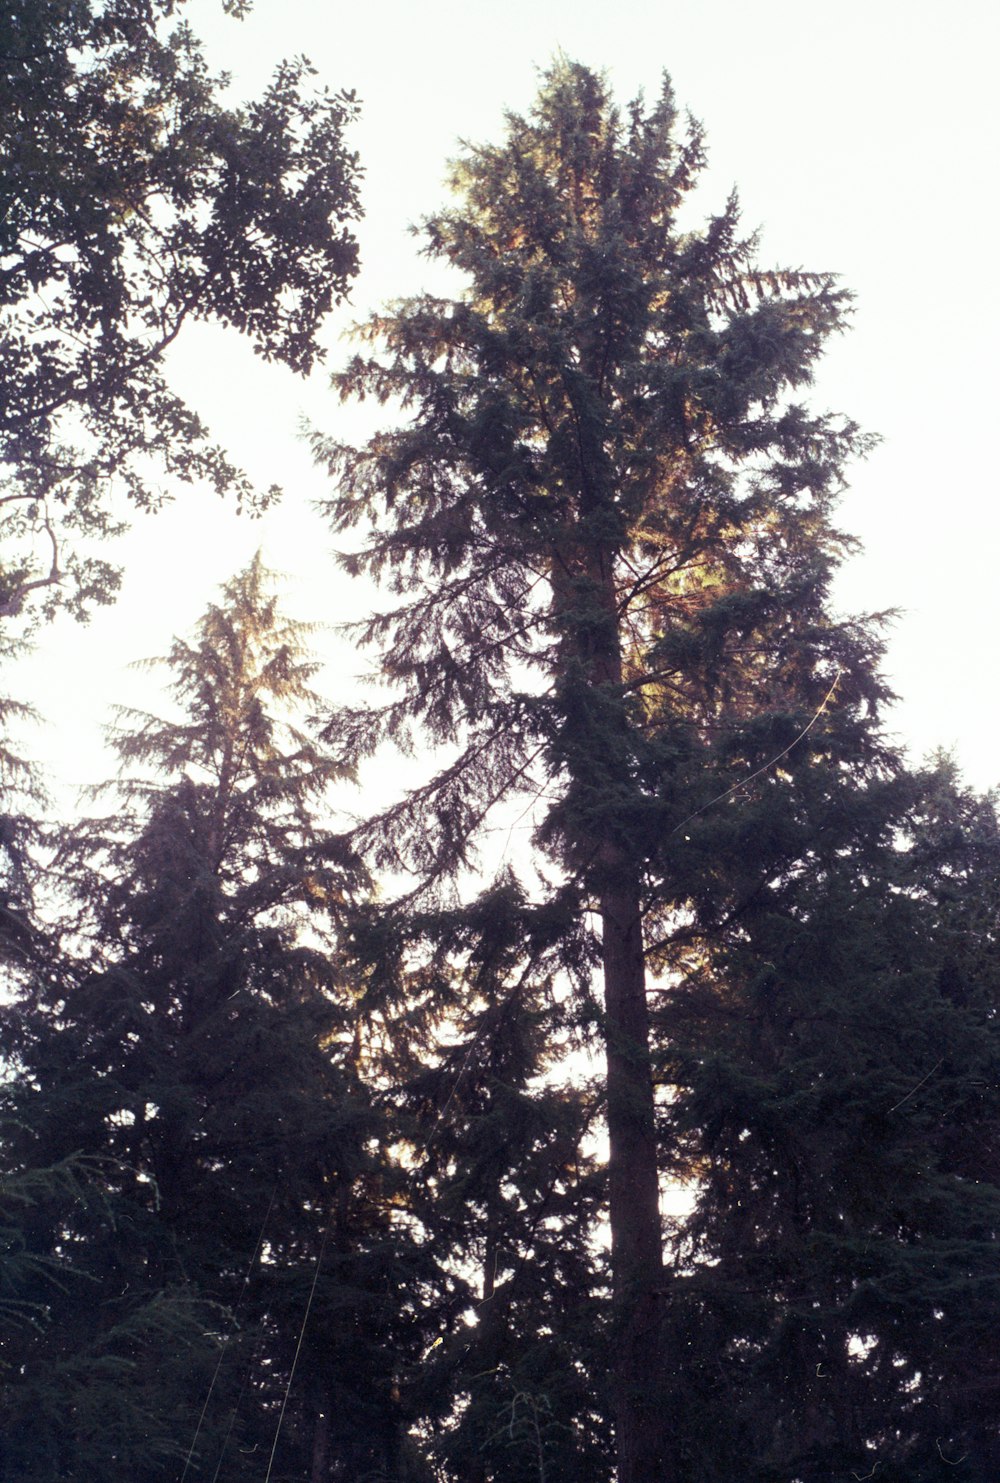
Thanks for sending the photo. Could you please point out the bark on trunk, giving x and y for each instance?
(633, 1170)
(636, 1249)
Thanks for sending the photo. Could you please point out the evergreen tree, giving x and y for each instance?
(237, 1270)
(834, 1061)
(469, 1012)
(607, 518)
(22, 798)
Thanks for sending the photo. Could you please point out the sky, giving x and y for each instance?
(863, 139)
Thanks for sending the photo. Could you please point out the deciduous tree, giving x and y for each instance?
(132, 201)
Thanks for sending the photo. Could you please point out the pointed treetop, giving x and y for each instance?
(243, 681)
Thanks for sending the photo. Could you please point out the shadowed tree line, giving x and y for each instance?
(320, 1162)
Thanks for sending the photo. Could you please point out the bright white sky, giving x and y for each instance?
(863, 138)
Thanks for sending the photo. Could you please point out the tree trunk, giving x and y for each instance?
(636, 1249)
(633, 1169)
(476, 1469)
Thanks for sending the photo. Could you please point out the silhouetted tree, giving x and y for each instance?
(234, 1268)
(607, 518)
(133, 201)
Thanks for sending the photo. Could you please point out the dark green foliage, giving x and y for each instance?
(199, 1057)
(473, 1018)
(18, 828)
(607, 517)
(286, 1167)
(602, 406)
(99, 1365)
(834, 1060)
(131, 201)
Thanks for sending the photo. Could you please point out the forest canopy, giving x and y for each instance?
(327, 1154)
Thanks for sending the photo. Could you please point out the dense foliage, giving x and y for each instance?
(608, 518)
(323, 1156)
(133, 200)
(190, 1065)
(833, 1064)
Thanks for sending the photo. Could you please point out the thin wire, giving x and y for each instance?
(298, 1347)
(225, 1343)
(232, 1419)
(744, 782)
(916, 1089)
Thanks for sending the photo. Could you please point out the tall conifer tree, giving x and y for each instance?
(607, 518)
(200, 1058)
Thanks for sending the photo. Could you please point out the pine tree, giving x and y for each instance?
(199, 1056)
(607, 518)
